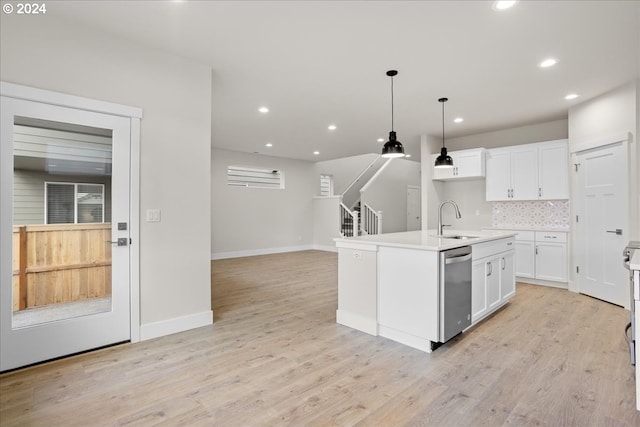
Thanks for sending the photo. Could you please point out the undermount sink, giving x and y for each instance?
(447, 236)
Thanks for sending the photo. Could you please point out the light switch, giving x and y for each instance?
(153, 215)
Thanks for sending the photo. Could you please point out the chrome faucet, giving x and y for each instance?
(458, 216)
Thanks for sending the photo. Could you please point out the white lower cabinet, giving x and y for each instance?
(492, 277)
(542, 255)
(525, 258)
(551, 261)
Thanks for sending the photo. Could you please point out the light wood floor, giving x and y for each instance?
(275, 356)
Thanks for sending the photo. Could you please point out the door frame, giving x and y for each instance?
(574, 149)
(134, 114)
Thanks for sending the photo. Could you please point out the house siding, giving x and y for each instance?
(28, 194)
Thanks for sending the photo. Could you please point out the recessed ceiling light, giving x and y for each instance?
(268, 144)
(458, 120)
(380, 139)
(332, 127)
(571, 96)
(315, 153)
(263, 110)
(407, 155)
(550, 62)
(504, 4)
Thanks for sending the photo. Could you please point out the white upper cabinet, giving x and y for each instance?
(553, 166)
(467, 164)
(528, 172)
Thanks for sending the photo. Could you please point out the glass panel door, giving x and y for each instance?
(66, 177)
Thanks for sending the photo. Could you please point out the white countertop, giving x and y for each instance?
(425, 239)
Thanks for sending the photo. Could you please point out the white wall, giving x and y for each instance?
(344, 171)
(470, 195)
(250, 221)
(606, 116)
(175, 95)
(326, 222)
(546, 131)
(388, 193)
(432, 191)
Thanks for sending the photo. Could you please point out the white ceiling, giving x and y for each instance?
(314, 63)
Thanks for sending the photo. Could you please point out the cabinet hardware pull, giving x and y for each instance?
(536, 250)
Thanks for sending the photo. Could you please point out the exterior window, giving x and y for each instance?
(71, 203)
(240, 176)
(326, 185)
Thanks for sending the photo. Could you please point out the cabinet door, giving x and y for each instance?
(553, 171)
(493, 282)
(525, 259)
(507, 276)
(441, 173)
(498, 182)
(478, 290)
(524, 174)
(468, 164)
(551, 261)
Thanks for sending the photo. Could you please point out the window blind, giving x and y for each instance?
(240, 176)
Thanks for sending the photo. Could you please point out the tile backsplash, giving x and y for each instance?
(532, 214)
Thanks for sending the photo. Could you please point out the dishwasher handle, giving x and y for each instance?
(457, 259)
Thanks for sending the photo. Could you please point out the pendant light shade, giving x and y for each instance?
(443, 160)
(392, 148)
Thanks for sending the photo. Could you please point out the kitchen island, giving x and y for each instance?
(391, 284)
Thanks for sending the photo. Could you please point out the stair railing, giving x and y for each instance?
(349, 223)
(371, 220)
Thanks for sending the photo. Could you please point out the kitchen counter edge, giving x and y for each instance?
(422, 240)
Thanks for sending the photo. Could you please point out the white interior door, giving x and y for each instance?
(413, 208)
(65, 196)
(602, 226)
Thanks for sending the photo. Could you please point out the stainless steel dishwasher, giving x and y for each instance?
(455, 291)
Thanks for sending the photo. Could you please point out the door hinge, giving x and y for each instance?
(577, 269)
(577, 165)
(577, 219)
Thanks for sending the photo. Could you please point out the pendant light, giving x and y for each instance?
(444, 160)
(392, 148)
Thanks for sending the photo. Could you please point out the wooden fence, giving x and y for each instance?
(60, 263)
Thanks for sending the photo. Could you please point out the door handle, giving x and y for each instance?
(122, 241)
(617, 231)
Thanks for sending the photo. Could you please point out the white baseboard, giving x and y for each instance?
(177, 324)
(413, 341)
(268, 251)
(355, 321)
(561, 285)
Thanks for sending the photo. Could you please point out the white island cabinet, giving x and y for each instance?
(389, 284)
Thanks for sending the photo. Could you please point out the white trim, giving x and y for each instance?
(326, 197)
(265, 251)
(540, 282)
(27, 93)
(599, 142)
(175, 325)
(356, 321)
(405, 338)
(134, 230)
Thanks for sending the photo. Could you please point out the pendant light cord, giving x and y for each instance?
(443, 125)
(391, 103)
